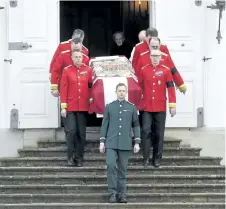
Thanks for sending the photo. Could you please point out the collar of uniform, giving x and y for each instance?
(121, 102)
(77, 67)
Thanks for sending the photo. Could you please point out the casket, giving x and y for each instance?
(108, 72)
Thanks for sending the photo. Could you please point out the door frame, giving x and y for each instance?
(4, 68)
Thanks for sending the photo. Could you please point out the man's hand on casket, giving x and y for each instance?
(55, 93)
(172, 111)
(64, 113)
(102, 148)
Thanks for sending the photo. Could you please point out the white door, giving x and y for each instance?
(214, 68)
(178, 23)
(34, 23)
(3, 64)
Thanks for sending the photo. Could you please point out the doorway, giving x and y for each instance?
(100, 20)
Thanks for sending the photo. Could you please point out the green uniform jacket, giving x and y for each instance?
(118, 121)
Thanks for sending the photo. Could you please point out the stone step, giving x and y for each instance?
(102, 197)
(144, 205)
(101, 188)
(90, 143)
(101, 170)
(97, 161)
(97, 179)
(62, 152)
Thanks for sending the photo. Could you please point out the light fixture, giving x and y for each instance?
(220, 5)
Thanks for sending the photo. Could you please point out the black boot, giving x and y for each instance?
(146, 162)
(156, 162)
(70, 162)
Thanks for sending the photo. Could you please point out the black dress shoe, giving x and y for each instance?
(146, 162)
(112, 199)
(122, 199)
(70, 162)
(79, 163)
(156, 163)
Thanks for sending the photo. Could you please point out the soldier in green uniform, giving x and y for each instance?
(120, 117)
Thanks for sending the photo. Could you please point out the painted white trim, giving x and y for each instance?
(152, 14)
(4, 69)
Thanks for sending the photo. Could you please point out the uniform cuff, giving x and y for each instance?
(172, 105)
(53, 86)
(182, 87)
(63, 105)
(137, 140)
(102, 139)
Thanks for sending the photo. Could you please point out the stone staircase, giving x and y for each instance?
(39, 179)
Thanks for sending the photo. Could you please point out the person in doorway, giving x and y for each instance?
(120, 45)
(120, 117)
(155, 78)
(76, 84)
(66, 45)
(141, 37)
(166, 60)
(144, 46)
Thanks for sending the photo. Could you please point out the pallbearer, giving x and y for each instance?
(75, 89)
(155, 80)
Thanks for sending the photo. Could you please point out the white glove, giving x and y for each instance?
(55, 93)
(90, 100)
(102, 147)
(172, 111)
(64, 113)
(136, 148)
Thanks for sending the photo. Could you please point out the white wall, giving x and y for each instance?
(10, 141)
(214, 69)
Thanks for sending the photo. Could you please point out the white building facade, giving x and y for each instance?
(188, 29)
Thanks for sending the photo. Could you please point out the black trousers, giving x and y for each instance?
(153, 128)
(76, 134)
(63, 122)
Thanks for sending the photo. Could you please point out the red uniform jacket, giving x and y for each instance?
(168, 62)
(154, 81)
(75, 88)
(63, 46)
(62, 61)
(143, 47)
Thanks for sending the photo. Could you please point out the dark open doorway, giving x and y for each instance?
(100, 20)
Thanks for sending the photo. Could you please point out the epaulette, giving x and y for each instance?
(144, 53)
(164, 54)
(166, 67)
(85, 47)
(85, 65)
(163, 44)
(144, 66)
(67, 67)
(63, 52)
(66, 42)
(85, 55)
(139, 43)
(111, 102)
(130, 103)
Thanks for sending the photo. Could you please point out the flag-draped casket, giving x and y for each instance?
(108, 72)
